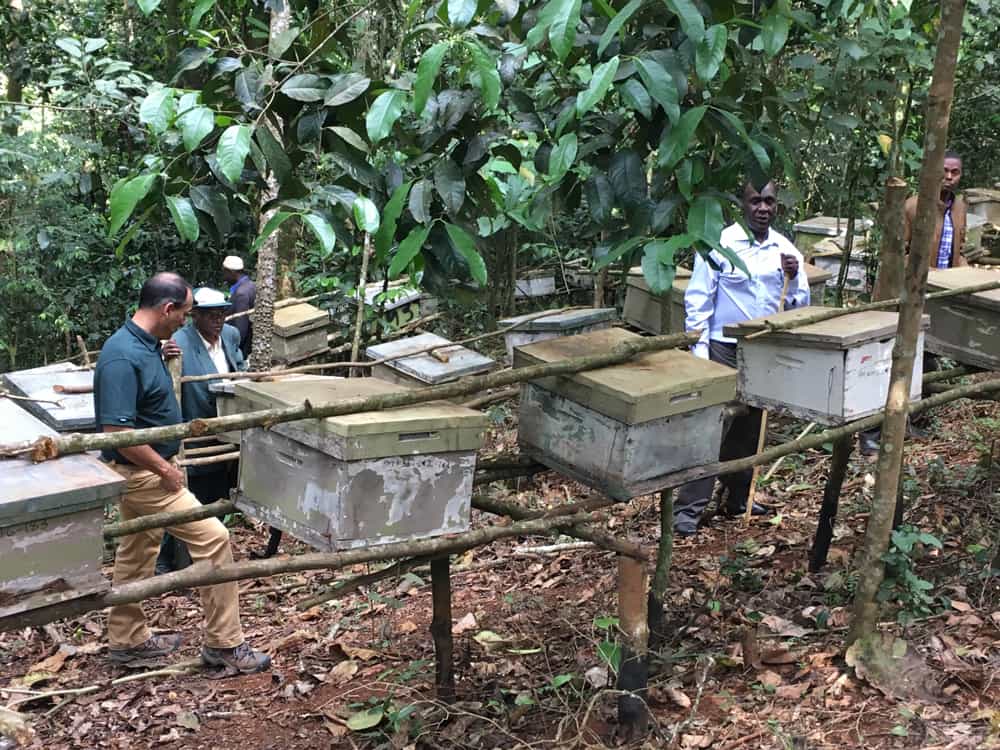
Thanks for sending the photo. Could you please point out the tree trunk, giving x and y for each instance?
(889, 282)
(890, 460)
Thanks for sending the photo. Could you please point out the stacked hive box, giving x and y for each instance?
(819, 228)
(965, 328)
(360, 479)
(556, 325)
(299, 332)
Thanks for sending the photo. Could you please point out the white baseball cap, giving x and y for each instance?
(233, 263)
(206, 298)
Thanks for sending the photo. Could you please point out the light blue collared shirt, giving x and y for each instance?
(717, 298)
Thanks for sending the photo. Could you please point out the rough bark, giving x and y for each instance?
(870, 567)
(831, 500)
(633, 673)
(444, 664)
(889, 280)
(661, 575)
(163, 520)
(359, 321)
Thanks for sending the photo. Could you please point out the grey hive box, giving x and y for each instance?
(830, 372)
(400, 305)
(299, 331)
(818, 228)
(828, 256)
(656, 314)
(424, 369)
(965, 328)
(51, 522)
(226, 404)
(535, 284)
(984, 202)
(818, 279)
(620, 429)
(553, 326)
(359, 479)
(76, 413)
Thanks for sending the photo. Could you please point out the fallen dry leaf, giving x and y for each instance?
(769, 679)
(407, 626)
(188, 720)
(290, 640)
(780, 656)
(341, 673)
(695, 741)
(783, 627)
(55, 662)
(466, 624)
(889, 664)
(791, 692)
(961, 606)
(677, 696)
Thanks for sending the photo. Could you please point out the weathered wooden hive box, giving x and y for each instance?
(398, 306)
(975, 227)
(828, 256)
(984, 202)
(360, 479)
(442, 366)
(299, 330)
(655, 313)
(51, 522)
(812, 231)
(818, 279)
(966, 327)
(535, 284)
(829, 372)
(618, 429)
(569, 323)
(73, 413)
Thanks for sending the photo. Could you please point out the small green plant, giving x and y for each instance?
(608, 649)
(902, 585)
(738, 568)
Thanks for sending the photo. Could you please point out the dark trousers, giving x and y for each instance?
(207, 487)
(739, 440)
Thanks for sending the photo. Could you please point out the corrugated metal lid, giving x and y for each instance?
(956, 278)
(429, 369)
(433, 416)
(28, 489)
(563, 321)
(650, 386)
(295, 319)
(835, 333)
(76, 411)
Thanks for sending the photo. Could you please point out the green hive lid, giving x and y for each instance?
(435, 416)
(649, 386)
(296, 319)
(29, 490)
(570, 320)
(955, 278)
(834, 333)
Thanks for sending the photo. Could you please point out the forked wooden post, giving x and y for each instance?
(633, 672)
(444, 673)
(842, 448)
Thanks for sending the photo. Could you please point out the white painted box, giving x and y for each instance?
(830, 372)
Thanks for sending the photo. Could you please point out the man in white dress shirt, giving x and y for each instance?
(720, 294)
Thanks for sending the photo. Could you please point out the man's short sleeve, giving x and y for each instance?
(116, 394)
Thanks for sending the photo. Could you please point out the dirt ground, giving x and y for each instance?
(752, 655)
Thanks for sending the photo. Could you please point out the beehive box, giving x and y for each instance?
(535, 284)
(965, 328)
(984, 202)
(975, 227)
(51, 522)
(449, 364)
(553, 326)
(226, 405)
(400, 305)
(299, 331)
(828, 256)
(621, 429)
(74, 412)
(653, 313)
(812, 231)
(830, 372)
(818, 280)
(360, 479)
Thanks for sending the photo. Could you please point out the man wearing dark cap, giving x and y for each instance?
(133, 390)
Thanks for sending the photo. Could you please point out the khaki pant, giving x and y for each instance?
(136, 558)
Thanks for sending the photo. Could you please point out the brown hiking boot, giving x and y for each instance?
(153, 648)
(240, 659)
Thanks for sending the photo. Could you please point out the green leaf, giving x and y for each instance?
(563, 155)
(684, 175)
(692, 22)
(489, 78)
(450, 184)
(195, 125)
(600, 198)
(611, 654)
(234, 145)
(279, 43)
(350, 137)
(366, 719)
(710, 52)
(125, 196)
(279, 218)
(305, 87)
(215, 205)
(774, 33)
(200, 9)
(628, 178)
(427, 71)
(635, 97)
(384, 112)
(704, 219)
(758, 151)
(157, 109)
(184, 217)
(600, 82)
(466, 247)
(408, 250)
(191, 58)
(70, 46)
(323, 231)
(676, 141)
(366, 215)
(275, 154)
(390, 217)
(420, 201)
(618, 251)
(658, 266)
(147, 6)
(460, 12)
(562, 32)
(344, 88)
(615, 24)
(660, 85)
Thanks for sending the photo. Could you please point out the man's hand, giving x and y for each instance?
(172, 478)
(172, 349)
(790, 265)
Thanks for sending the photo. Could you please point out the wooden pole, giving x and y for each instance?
(359, 321)
(175, 366)
(842, 449)
(661, 575)
(633, 672)
(444, 670)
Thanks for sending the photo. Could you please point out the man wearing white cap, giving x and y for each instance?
(242, 296)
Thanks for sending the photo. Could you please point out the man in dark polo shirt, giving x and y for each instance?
(132, 390)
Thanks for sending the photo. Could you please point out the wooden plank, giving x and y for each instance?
(957, 278)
